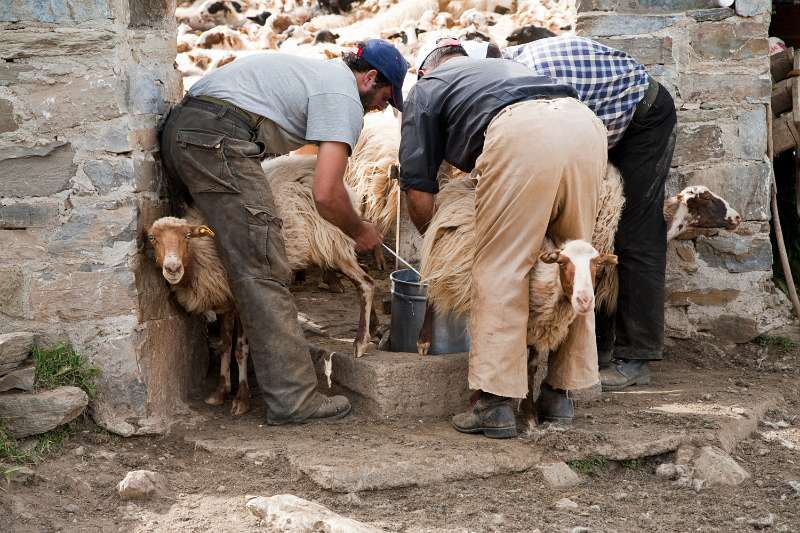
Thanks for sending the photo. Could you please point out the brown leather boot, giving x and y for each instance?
(555, 405)
(491, 415)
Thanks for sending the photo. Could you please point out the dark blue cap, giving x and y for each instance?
(390, 63)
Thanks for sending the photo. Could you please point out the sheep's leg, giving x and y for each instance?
(380, 259)
(226, 325)
(527, 406)
(365, 287)
(331, 282)
(425, 332)
(241, 403)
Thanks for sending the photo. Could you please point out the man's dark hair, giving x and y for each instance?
(437, 57)
(528, 34)
(359, 64)
(493, 51)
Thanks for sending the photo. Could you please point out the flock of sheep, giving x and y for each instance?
(186, 253)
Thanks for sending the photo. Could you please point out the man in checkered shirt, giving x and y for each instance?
(640, 118)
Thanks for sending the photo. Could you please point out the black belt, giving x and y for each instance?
(647, 102)
(251, 120)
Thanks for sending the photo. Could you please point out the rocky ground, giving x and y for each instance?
(411, 474)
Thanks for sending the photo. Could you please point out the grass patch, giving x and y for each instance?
(60, 366)
(776, 341)
(589, 466)
(634, 464)
(9, 447)
(44, 446)
(57, 366)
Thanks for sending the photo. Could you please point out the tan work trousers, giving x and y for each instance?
(540, 168)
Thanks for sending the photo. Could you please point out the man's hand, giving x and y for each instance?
(333, 202)
(368, 237)
(420, 208)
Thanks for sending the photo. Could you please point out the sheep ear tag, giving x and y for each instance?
(203, 231)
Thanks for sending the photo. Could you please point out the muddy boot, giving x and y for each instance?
(555, 405)
(491, 415)
(331, 408)
(625, 372)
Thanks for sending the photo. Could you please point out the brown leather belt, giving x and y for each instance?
(252, 120)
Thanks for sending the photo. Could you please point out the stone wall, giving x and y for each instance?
(714, 61)
(83, 85)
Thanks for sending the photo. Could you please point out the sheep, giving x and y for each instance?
(447, 253)
(311, 240)
(206, 14)
(189, 261)
(222, 37)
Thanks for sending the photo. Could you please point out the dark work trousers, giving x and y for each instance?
(211, 150)
(643, 156)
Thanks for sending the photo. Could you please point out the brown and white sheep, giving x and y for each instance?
(206, 14)
(185, 251)
(448, 252)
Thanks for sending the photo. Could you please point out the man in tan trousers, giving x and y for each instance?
(541, 155)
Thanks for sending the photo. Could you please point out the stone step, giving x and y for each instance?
(398, 384)
(31, 414)
(14, 349)
(20, 378)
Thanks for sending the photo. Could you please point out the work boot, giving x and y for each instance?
(491, 415)
(331, 408)
(625, 372)
(555, 405)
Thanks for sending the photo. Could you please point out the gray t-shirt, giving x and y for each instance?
(310, 99)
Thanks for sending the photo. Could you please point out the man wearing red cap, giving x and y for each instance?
(212, 145)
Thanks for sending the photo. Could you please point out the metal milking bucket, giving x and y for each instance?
(449, 335)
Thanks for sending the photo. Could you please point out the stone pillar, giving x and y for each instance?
(714, 61)
(83, 85)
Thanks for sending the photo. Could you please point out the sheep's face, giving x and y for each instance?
(170, 239)
(577, 270)
(697, 207)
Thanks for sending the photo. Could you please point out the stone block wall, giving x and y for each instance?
(714, 61)
(83, 85)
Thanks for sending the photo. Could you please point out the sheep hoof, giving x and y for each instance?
(423, 347)
(240, 407)
(216, 398)
(334, 286)
(361, 348)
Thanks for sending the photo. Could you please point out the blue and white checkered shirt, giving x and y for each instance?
(610, 82)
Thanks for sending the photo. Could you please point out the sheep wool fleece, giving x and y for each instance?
(540, 170)
(212, 153)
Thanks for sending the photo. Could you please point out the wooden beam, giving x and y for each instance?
(796, 90)
(781, 64)
(785, 135)
(782, 96)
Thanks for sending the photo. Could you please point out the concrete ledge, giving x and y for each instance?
(399, 384)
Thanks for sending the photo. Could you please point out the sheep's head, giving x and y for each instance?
(170, 238)
(577, 270)
(697, 207)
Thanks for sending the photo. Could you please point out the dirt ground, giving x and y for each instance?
(75, 490)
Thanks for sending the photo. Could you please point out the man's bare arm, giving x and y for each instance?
(420, 208)
(332, 200)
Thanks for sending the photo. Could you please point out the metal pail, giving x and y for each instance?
(449, 335)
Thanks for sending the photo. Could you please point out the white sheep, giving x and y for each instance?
(206, 14)
(311, 240)
(448, 249)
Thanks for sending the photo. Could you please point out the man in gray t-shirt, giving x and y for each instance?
(213, 143)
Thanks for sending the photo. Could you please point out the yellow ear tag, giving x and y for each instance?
(205, 230)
